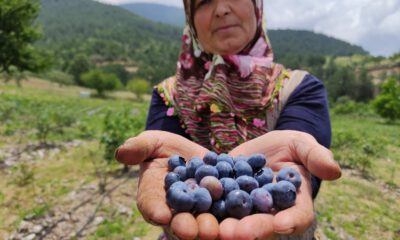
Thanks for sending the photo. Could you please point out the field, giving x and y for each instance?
(56, 181)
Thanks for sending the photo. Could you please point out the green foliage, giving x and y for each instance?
(353, 150)
(100, 81)
(387, 103)
(17, 34)
(62, 78)
(48, 121)
(120, 227)
(106, 34)
(35, 212)
(345, 105)
(78, 65)
(119, 126)
(139, 87)
(118, 70)
(24, 174)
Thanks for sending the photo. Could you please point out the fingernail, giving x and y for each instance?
(285, 232)
(116, 153)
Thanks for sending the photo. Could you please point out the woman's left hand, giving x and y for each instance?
(284, 148)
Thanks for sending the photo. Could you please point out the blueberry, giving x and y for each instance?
(247, 183)
(240, 158)
(179, 185)
(289, 174)
(262, 200)
(192, 166)
(225, 158)
(170, 179)
(192, 184)
(175, 161)
(224, 169)
(213, 185)
(229, 184)
(218, 210)
(257, 161)
(264, 176)
(269, 187)
(206, 170)
(181, 171)
(210, 158)
(180, 197)
(242, 168)
(238, 204)
(284, 195)
(203, 200)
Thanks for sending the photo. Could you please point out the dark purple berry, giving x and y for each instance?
(224, 169)
(210, 158)
(247, 183)
(206, 170)
(290, 175)
(264, 176)
(242, 168)
(284, 195)
(175, 161)
(238, 204)
(262, 200)
(192, 166)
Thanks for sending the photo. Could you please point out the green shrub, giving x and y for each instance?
(387, 103)
(100, 81)
(119, 126)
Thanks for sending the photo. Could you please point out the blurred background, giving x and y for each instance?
(75, 82)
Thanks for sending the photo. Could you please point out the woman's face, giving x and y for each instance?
(224, 26)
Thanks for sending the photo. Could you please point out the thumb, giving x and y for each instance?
(156, 144)
(316, 158)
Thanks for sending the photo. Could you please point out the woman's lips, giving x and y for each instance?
(225, 28)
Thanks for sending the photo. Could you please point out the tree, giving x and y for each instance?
(100, 81)
(387, 103)
(139, 87)
(17, 35)
(79, 65)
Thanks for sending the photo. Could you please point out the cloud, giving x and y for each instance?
(372, 24)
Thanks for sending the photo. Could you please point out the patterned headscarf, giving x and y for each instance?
(222, 101)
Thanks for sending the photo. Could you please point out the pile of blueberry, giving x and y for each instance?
(229, 187)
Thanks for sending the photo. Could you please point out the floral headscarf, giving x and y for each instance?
(222, 101)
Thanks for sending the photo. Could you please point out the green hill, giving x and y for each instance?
(107, 33)
(158, 13)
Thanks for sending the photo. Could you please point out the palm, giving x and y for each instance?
(283, 148)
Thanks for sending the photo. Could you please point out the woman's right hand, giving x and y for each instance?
(151, 150)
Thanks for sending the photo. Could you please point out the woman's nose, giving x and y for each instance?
(222, 8)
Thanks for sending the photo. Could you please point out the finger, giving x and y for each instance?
(184, 226)
(316, 158)
(208, 226)
(151, 200)
(293, 146)
(256, 226)
(227, 228)
(156, 144)
(298, 218)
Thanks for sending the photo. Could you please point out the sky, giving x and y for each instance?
(371, 24)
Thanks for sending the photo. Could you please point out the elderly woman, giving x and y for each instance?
(229, 96)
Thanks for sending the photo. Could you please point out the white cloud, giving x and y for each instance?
(372, 24)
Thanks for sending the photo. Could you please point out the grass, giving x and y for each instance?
(363, 205)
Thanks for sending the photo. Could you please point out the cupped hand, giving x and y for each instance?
(151, 150)
(284, 148)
